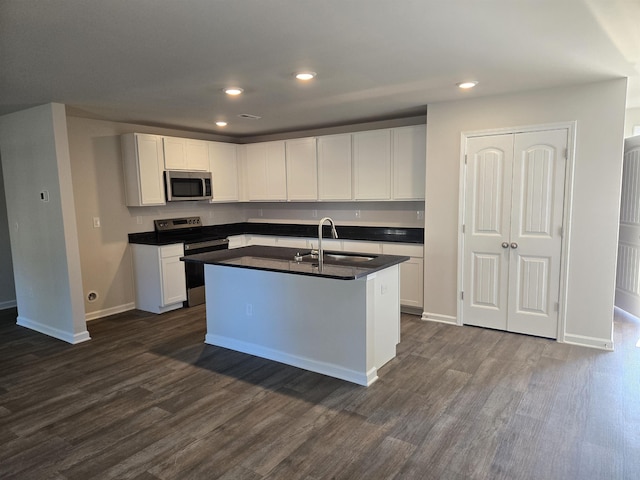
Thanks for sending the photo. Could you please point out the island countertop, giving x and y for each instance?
(344, 266)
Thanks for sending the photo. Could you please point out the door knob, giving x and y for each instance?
(505, 245)
(514, 245)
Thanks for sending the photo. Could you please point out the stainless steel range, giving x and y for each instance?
(190, 232)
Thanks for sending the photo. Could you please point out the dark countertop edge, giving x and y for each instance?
(380, 262)
(345, 232)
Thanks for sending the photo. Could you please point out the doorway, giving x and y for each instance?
(513, 197)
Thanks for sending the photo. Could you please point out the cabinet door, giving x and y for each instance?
(197, 153)
(173, 281)
(411, 283)
(372, 165)
(302, 169)
(175, 153)
(334, 167)
(224, 170)
(266, 171)
(143, 169)
(409, 162)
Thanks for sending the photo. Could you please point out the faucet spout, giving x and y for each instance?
(334, 234)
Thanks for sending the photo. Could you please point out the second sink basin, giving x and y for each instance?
(348, 258)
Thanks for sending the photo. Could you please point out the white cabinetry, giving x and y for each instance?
(159, 277)
(409, 162)
(372, 165)
(411, 273)
(223, 164)
(143, 164)
(302, 169)
(266, 171)
(185, 154)
(334, 167)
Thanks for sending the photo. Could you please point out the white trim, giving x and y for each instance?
(592, 342)
(109, 311)
(332, 370)
(68, 337)
(571, 127)
(437, 317)
(8, 304)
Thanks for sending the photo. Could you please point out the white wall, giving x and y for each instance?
(632, 119)
(599, 111)
(44, 241)
(7, 287)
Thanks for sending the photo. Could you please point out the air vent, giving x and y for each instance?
(249, 116)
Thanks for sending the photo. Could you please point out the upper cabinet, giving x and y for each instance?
(223, 164)
(372, 165)
(143, 163)
(301, 168)
(334, 167)
(409, 162)
(266, 171)
(185, 154)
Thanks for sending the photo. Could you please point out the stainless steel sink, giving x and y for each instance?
(347, 258)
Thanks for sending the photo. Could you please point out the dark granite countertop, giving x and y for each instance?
(281, 259)
(345, 232)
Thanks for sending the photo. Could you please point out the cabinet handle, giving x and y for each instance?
(505, 245)
(514, 245)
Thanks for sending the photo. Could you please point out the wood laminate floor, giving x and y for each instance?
(147, 399)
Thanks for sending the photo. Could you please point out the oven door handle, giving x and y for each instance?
(208, 244)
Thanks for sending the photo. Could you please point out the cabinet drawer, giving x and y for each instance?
(175, 250)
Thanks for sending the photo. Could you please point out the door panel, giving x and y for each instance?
(628, 272)
(514, 202)
(487, 211)
(536, 229)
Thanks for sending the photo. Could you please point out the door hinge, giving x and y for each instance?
(566, 153)
(463, 228)
(557, 307)
(461, 295)
(465, 158)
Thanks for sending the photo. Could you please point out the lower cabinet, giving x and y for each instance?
(159, 277)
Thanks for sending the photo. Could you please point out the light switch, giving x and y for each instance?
(96, 222)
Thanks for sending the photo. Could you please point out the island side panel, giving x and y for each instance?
(386, 314)
(318, 324)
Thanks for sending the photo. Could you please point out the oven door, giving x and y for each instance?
(195, 271)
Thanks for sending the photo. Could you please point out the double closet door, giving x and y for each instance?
(512, 233)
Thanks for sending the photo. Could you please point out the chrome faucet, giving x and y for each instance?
(334, 234)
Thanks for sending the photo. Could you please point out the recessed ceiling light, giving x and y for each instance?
(465, 85)
(221, 124)
(233, 91)
(304, 76)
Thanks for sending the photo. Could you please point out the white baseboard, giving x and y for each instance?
(437, 317)
(592, 342)
(8, 304)
(63, 335)
(332, 370)
(109, 311)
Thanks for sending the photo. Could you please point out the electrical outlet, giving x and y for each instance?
(96, 222)
(139, 220)
(420, 214)
(358, 214)
(314, 213)
(249, 309)
(259, 212)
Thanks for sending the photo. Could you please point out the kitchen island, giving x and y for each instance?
(274, 302)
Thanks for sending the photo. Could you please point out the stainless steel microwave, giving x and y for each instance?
(183, 186)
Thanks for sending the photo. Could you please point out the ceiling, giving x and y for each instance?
(165, 62)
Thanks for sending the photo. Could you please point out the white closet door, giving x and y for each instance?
(537, 207)
(628, 273)
(487, 228)
(514, 202)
